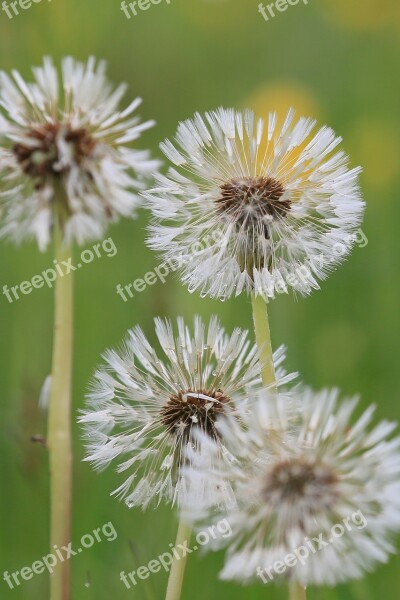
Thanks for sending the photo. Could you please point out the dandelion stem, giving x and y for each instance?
(59, 423)
(297, 592)
(177, 572)
(263, 337)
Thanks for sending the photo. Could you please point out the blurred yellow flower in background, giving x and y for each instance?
(377, 146)
(363, 15)
(279, 97)
(282, 95)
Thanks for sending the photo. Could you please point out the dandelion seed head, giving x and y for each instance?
(276, 198)
(298, 482)
(65, 158)
(43, 157)
(301, 471)
(188, 409)
(148, 408)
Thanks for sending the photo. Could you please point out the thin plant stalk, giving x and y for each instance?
(59, 424)
(263, 338)
(177, 573)
(297, 592)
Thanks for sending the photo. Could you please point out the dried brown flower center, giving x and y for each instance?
(296, 480)
(253, 202)
(43, 157)
(188, 409)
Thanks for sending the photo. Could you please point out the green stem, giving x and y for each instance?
(177, 572)
(59, 424)
(263, 338)
(297, 592)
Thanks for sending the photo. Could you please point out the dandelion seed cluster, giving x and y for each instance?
(64, 157)
(280, 194)
(316, 470)
(150, 409)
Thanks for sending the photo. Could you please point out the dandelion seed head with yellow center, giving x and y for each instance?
(280, 198)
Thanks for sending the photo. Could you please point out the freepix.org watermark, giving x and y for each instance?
(302, 275)
(163, 270)
(269, 11)
(61, 269)
(12, 8)
(301, 554)
(48, 563)
(178, 552)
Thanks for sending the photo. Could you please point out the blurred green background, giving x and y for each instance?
(334, 59)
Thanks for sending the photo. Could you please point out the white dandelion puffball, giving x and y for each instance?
(63, 153)
(143, 410)
(255, 207)
(317, 505)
